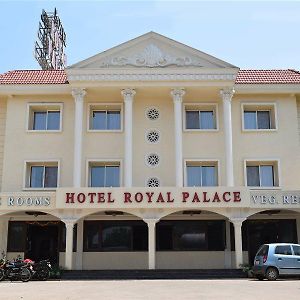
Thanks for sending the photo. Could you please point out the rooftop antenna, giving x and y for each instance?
(49, 48)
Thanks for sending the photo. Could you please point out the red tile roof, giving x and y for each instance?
(268, 77)
(34, 77)
(60, 77)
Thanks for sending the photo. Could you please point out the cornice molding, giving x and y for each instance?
(151, 77)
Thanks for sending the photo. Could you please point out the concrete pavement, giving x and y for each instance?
(233, 289)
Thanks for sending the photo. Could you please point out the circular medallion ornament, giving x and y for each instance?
(152, 136)
(153, 182)
(152, 113)
(152, 160)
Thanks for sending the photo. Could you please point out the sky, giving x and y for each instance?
(250, 35)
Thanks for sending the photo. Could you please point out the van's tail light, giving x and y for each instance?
(265, 257)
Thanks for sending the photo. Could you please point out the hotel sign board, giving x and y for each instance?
(27, 201)
(152, 198)
(275, 199)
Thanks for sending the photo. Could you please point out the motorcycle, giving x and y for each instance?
(15, 270)
(40, 270)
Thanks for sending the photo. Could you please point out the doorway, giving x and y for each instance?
(42, 242)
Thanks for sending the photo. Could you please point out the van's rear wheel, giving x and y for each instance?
(272, 274)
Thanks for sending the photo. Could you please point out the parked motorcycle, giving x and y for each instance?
(40, 270)
(15, 270)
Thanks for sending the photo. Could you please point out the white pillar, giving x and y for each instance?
(177, 95)
(69, 244)
(151, 242)
(3, 236)
(78, 94)
(79, 246)
(128, 95)
(226, 95)
(237, 223)
(227, 254)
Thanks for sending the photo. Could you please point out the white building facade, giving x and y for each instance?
(150, 155)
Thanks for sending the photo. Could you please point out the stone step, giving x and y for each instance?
(152, 274)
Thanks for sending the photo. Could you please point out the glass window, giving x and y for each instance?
(16, 236)
(43, 176)
(263, 120)
(115, 236)
(266, 176)
(284, 250)
(46, 120)
(50, 177)
(261, 175)
(192, 120)
(201, 176)
(296, 250)
(200, 119)
(106, 120)
(207, 120)
(250, 119)
(253, 176)
(190, 235)
(53, 121)
(259, 119)
(36, 178)
(39, 120)
(105, 176)
(113, 120)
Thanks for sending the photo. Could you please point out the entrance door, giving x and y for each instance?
(42, 243)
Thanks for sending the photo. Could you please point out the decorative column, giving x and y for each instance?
(3, 235)
(128, 95)
(177, 95)
(227, 252)
(69, 243)
(226, 95)
(237, 223)
(151, 242)
(78, 94)
(79, 246)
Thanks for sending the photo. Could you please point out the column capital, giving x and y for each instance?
(69, 222)
(177, 94)
(151, 222)
(128, 94)
(227, 94)
(78, 93)
(237, 221)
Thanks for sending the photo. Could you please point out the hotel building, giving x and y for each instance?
(150, 155)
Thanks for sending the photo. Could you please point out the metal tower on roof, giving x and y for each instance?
(51, 42)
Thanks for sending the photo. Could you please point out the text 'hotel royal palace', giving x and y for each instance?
(150, 155)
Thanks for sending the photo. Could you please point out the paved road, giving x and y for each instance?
(240, 289)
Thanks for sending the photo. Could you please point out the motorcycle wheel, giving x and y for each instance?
(25, 275)
(2, 274)
(43, 274)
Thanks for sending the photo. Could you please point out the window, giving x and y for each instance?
(259, 116)
(190, 235)
(284, 250)
(200, 117)
(17, 232)
(105, 117)
(262, 174)
(104, 174)
(42, 175)
(201, 174)
(115, 236)
(296, 250)
(45, 117)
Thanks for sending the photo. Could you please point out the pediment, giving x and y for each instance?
(151, 50)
